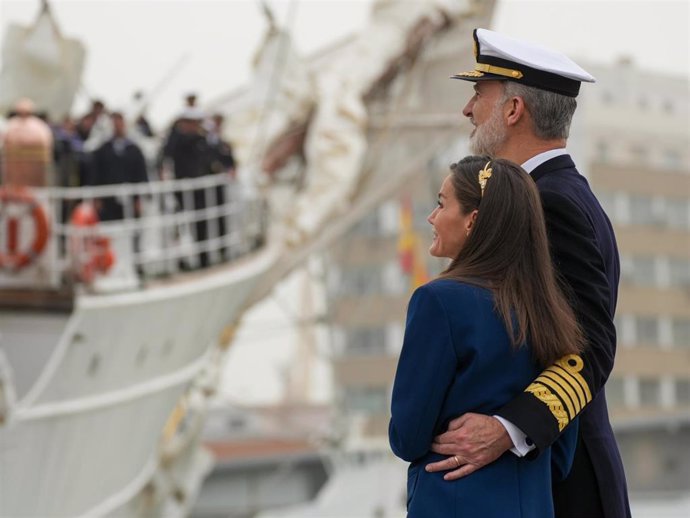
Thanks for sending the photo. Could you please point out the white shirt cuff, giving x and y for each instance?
(522, 444)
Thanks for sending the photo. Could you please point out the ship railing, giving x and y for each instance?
(149, 231)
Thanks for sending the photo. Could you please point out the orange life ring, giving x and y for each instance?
(92, 253)
(14, 259)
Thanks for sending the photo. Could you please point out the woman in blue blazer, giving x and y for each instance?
(476, 337)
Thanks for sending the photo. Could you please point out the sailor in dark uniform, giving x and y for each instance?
(522, 108)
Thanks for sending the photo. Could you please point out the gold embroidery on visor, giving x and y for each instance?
(470, 73)
(499, 71)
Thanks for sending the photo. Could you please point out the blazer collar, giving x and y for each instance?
(559, 162)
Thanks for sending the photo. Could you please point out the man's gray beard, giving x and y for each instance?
(490, 136)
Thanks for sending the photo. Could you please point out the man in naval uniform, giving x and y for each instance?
(523, 103)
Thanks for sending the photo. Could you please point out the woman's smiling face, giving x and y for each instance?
(451, 226)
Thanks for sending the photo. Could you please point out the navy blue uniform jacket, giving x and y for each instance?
(585, 254)
(456, 358)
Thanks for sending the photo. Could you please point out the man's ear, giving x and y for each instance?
(514, 110)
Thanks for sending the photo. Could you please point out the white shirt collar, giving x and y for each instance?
(539, 159)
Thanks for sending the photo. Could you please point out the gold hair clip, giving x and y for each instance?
(484, 175)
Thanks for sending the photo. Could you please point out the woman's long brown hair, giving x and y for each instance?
(508, 251)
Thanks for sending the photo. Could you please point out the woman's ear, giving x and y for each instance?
(471, 218)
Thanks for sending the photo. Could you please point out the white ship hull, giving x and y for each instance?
(84, 438)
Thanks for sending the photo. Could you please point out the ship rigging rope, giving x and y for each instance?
(276, 78)
(26, 412)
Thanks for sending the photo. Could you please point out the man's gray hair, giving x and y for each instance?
(551, 112)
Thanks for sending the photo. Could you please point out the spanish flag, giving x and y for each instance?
(410, 255)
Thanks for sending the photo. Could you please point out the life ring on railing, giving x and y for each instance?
(15, 259)
(91, 252)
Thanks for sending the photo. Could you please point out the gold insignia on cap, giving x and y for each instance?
(499, 71)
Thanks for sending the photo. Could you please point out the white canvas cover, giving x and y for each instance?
(41, 64)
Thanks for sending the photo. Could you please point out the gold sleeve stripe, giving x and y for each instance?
(571, 381)
(558, 390)
(562, 384)
(564, 390)
(573, 364)
(554, 404)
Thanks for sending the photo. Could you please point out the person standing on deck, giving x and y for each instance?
(187, 150)
(119, 160)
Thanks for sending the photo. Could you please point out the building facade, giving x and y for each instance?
(638, 145)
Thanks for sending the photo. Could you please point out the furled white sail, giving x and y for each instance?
(329, 97)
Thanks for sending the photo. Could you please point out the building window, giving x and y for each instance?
(366, 341)
(607, 200)
(631, 388)
(615, 393)
(679, 272)
(370, 225)
(361, 281)
(665, 332)
(625, 329)
(395, 334)
(389, 218)
(626, 268)
(638, 154)
(641, 210)
(680, 329)
(672, 159)
(650, 393)
(647, 330)
(393, 280)
(237, 423)
(683, 392)
(603, 151)
(643, 271)
(678, 213)
(367, 400)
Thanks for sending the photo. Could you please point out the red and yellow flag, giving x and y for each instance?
(411, 259)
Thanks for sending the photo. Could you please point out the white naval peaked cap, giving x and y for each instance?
(500, 57)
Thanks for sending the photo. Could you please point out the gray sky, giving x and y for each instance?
(656, 34)
(135, 43)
